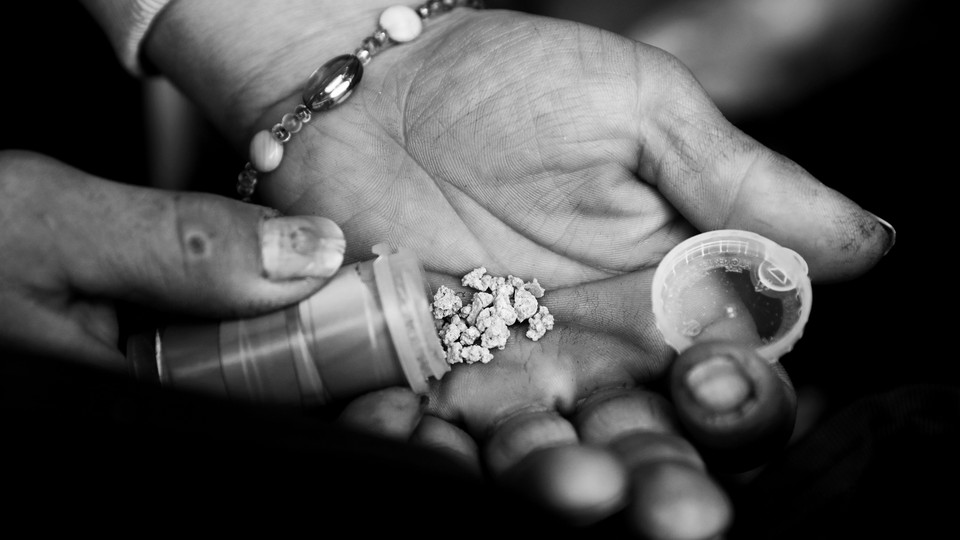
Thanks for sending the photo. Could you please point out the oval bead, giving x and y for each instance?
(401, 23)
(265, 151)
(332, 83)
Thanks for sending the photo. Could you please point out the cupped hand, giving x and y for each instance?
(542, 148)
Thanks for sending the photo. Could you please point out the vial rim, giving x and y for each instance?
(786, 259)
(401, 283)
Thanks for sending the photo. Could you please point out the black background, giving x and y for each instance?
(884, 136)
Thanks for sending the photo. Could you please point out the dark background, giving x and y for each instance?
(878, 359)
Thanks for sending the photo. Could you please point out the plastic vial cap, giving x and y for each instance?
(404, 293)
(734, 285)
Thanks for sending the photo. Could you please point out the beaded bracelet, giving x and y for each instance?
(332, 83)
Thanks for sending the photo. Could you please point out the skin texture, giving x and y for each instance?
(75, 245)
(546, 149)
(537, 148)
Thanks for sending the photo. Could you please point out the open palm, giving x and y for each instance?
(515, 164)
(550, 150)
(537, 148)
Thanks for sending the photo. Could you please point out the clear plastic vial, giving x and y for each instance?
(733, 285)
(368, 328)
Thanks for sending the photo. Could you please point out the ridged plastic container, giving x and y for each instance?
(368, 328)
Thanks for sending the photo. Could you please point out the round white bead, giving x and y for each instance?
(401, 23)
(265, 151)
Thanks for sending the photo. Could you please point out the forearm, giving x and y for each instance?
(125, 23)
(221, 52)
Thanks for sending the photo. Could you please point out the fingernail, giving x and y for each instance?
(891, 232)
(300, 247)
(719, 384)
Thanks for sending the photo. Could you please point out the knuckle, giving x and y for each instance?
(194, 220)
(666, 77)
(215, 241)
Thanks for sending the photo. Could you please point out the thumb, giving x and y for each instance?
(188, 252)
(735, 406)
(720, 178)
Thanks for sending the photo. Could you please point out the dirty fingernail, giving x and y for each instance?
(719, 384)
(301, 247)
(891, 232)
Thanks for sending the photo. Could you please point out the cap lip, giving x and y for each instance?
(788, 263)
(401, 283)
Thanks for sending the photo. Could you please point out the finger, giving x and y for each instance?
(733, 404)
(391, 412)
(608, 415)
(672, 499)
(576, 484)
(439, 434)
(524, 433)
(192, 252)
(671, 493)
(718, 177)
(619, 307)
(86, 333)
(536, 453)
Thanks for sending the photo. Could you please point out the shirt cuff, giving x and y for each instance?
(126, 23)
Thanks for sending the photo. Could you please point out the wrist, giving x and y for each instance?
(235, 59)
(338, 79)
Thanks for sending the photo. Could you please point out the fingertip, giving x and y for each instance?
(837, 238)
(524, 434)
(433, 432)
(847, 243)
(201, 254)
(889, 231)
(296, 247)
(733, 404)
(578, 484)
(391, 412)
(677, 501)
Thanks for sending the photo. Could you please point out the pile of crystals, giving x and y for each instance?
(469, 329)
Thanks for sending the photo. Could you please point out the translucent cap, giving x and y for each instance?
(733, 285)
(404, 292)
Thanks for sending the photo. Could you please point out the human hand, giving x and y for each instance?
(545, 149)
(74, 245)
(638, 454)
